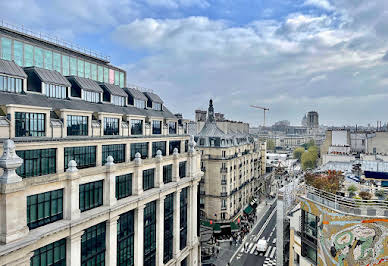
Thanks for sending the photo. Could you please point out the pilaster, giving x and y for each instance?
(176, 247)
(159, 170)
(110, 182)
(71, 202)
(111, 241)
(175, 166)
(159, 230)
(139, 236)
(73, 249)
(138, 175)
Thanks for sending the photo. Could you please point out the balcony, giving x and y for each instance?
(223, 170)
(224, 194)
(220, 157)
(223, 208)
(223, 182)
(202, 192)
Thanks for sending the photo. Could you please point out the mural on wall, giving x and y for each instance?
(346, 240)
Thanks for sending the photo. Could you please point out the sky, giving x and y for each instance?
(292, 56)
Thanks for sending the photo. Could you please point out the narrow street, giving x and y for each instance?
(266, 229)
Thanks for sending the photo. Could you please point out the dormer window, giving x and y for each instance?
(118, 100)
(55, 91)
(11, 84)
(139, 103)
(157, 106)
(91, 96)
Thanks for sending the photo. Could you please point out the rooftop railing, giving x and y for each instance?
(53, 39)
(352, 206)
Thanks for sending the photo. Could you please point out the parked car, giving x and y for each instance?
(261, 246)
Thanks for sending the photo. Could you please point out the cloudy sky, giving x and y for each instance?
(292, 56)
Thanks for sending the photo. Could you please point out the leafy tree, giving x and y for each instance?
(380, 193)
(270, 145)
(365, 195)
(309, 160)
(330, 182)
(352, 189)
(298, 153)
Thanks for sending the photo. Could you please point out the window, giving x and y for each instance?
(167, 173)
(81, 66)
(44, 208)
(141, 148)
(122, 83)
(118, 100)
(117, 78)
(174, 144)
(223, 203)
(65, 65)
(136, 127)
(117, 151)
(6, 48)
(28, 55)
(160, 145)
(73, 66)
(100, 72)
(87, 70)
(55, 91)
(182, 169)
(106, 75)
(93, 245)
(168, 228)
(171, 127)
(52, 254)
(150, 233)
(156, 127)
(37, 162)
(57, 62)
(111, 126)
(157, 106)
(310, 252)
(93, 70)
(30, 124)
(48, 59)
(90, 96)
(38, 57)
(77, 125)
(125, 239)
(123, 186)
(148, 179)
(139, 103)
(183, 219)
(90, 195)
(18, 52)
(310, 224)
(84, 156)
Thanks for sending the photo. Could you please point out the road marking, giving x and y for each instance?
(273, 252)
(274, 241)
(253, 249)
(268, 250)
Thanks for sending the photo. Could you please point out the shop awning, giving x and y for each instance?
(217, 228)
(234, 227)
(206, 223)
(248, 210)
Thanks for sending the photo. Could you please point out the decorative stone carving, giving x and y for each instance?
(72, 167)
(137, 158)
(192, 144)
(175, 152)
(10, 161)
(159, 155)
(109, 161)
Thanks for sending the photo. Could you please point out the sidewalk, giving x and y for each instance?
(227, 251)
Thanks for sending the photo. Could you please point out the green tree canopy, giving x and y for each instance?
(298, 153)
(309, 159)
(270, 144)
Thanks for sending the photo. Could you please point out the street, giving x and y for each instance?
(266, 229)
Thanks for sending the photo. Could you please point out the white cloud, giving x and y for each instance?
(178, 3)
(324, 4)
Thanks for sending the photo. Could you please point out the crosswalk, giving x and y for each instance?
(250, 248)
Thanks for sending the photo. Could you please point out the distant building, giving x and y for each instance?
(312, 119)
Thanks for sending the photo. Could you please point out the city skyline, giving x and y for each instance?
(292, 57)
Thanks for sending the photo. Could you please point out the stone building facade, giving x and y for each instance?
(93, 173)
(233, 164)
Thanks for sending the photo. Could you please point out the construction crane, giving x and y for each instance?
(264, 109)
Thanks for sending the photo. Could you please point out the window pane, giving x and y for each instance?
(48, 59)
(73, 66)
(38, 57)
(65, 65)
(18, 52)
(117, 78)
(93, 71)
(28, 55)
(87, 70)
(111, 76)
(122, 83)
(106, 75)
(100, 74)
(57, 62)
(6, 52)
(81, 72)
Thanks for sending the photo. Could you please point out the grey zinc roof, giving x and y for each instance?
(12, 69)
(153, 97)
(49, 76)
(114, 89)
(33, 99)
(86, 84)
(136, 94)
(210, 129)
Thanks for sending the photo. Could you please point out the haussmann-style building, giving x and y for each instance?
(93, 172)
(233, 163)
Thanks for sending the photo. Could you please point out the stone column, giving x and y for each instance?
(13, 203)
(194, 207)
(160, 231)
(73, 249)
(99, 154)
(111, 241)
(139, 236)
(24, 261)
(138, 175)
(159, 170)
(60, 160)
(71, 193)
(110, 182)
(150, 150)
(175, 166)
(176, 248)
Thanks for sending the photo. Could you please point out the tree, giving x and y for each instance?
(309, 159)
(298, 153)
(270, 145)
(352, 189)
(365, 195)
